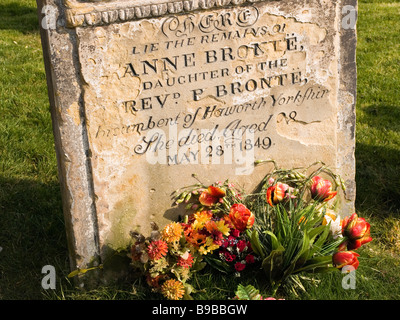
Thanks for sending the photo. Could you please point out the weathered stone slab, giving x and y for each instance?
(146, 93)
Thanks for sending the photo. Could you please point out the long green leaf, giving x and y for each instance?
(256, 245)
(273, 265)
(289, 270)
(323, 270)
(315, 232)
(303, 254)
(318, 245)
(217, 264)
(83, 271)
(311, 248)
(274, 240)
(314, 263)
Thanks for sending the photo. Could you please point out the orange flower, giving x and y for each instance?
(201, 219)
(195, 238)
(276, 193)
(187, 228)
(173, 289)
(211, 196)
(241, 217)
(214, 232)
(157, 249)
(185, 263)
(172, 232)
(321, 189)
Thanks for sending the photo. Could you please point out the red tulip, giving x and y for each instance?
(321, 189)
(345, 258)
(357, 231)
(354, 227)
(241, 217)
(211, 196)
(276, 193)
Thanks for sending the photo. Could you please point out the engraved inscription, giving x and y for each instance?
(205, 71)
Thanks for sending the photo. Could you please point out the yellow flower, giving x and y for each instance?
(172, 232)
(200, 219)
(222, 227)
(208, 247)
(173, 289)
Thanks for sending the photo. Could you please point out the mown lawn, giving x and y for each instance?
(31, 221)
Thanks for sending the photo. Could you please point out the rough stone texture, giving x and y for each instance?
(137, 88)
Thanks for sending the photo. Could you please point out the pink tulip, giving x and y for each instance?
(321, 189)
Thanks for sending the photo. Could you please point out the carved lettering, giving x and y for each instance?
(228, 69)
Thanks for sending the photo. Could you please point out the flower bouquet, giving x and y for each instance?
(287, 227)
(296, 227)
(169, 257)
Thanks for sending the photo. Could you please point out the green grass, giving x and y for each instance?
(378, 128)
(31, 222)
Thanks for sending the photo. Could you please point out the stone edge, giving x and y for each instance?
(347, 96)
(102, 13)
(71, 143)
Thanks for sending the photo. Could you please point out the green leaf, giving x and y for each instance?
(189, 289)
(82, 271)
(273, 265)
(315, 232)
(256, 245)
(198, 264)
(274, 240)
(74, 273)
(217, 264)
(314, 263)
(317, 246)
(247, 293)
(323, 270)
(303, 254)
(289, 270)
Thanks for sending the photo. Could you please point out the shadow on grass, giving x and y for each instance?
(15, 16)
(378, 178)
(378, 159)
(380, 115)
(32, 236)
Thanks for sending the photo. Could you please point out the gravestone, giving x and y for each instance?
(146, 93)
